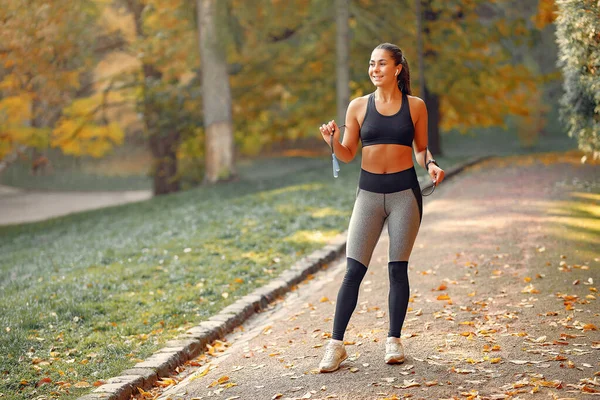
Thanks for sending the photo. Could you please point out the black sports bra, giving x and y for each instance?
(387, 129)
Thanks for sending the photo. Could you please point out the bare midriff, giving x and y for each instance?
(386, 158)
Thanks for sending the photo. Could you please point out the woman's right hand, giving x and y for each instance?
(327, 129)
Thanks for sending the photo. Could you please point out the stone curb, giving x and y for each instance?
(193, 342)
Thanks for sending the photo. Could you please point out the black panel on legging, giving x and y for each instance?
(399, 295)
(347, 297)
(417, 191)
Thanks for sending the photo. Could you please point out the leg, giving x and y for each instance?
(403, 226)
(398, 296)
(347, 297)
(365, 228)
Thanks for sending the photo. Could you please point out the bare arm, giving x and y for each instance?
(420, 143)
(346, 150)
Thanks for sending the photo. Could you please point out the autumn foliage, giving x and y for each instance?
(62, 86)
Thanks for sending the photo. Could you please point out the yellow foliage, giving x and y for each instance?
(546, 13)
(15, 110)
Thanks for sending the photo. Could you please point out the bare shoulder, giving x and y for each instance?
(359, 103)
(357, 108)
(415, 102)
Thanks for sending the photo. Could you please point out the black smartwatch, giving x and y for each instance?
(432, 161)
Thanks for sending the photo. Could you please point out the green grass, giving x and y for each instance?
(87, 295)
(19, 175)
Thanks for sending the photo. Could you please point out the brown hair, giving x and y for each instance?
(404, 75)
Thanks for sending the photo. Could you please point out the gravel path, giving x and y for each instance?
(504, 305)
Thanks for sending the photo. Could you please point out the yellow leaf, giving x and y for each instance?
(324, 299)
(443, 297)
(82, 384)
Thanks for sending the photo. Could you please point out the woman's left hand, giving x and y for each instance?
(436, 173)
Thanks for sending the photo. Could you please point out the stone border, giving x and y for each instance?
(193, 342)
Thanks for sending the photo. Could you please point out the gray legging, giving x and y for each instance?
(395, 199)
(371, 211)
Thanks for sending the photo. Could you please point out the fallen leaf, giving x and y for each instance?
(82, 384)
(555, 384)
(166, 382)
(408, 384)
(43, 381)
(589, 327)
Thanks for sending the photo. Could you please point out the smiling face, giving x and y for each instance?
(382, 68)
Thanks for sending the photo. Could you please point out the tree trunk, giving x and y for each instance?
(216, 95)
(342, 12)
(164, 152)
(432, 100)
(433, 121)
(163, 145)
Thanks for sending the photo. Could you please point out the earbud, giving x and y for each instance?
(396, 73)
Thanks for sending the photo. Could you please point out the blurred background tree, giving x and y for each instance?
(120, 74)
(578, 37)
(46, 52)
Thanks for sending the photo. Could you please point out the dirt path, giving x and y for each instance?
(19, 206)
(503, 305)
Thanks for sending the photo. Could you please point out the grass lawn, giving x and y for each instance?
(87, 295)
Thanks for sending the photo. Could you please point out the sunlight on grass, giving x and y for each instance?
(311, 236)
(327, 212)
(595, 197)
(292, 189)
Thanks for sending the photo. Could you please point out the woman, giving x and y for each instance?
(388, 122)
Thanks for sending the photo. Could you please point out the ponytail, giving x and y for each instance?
(404, 75)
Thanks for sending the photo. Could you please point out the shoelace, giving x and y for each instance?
(330, 351)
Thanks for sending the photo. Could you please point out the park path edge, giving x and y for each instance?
(193, 342)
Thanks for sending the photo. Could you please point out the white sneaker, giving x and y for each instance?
(335, 353)
(394, 352)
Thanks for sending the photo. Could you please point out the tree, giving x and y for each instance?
(216, 93)
(578, 38)
(45, 52)
(159, 82)
(342, 13)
